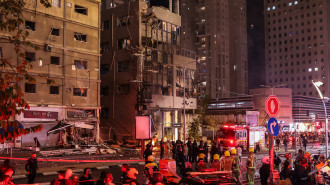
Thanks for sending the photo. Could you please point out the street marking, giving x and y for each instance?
(49, 173)
(102, 167)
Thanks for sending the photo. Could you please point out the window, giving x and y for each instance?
(55, 31)
(80, 9)
(106, 25)
(123, 89)
(80, 64)
(123, 43)
(316, 69)
(123, 66)
(54, 90)
(123, 21)
(79, 92)
(104, 68)
(310, 69)
(105, 112)
(29, 25)
(30, 56)
(80, 37)
(104, 90)
(104, 47)
(30, 88)
(55, 60)
(56, 3)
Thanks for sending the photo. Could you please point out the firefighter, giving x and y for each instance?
(226, 163)
(201, 163)
(150, 167)
(235, 165)
(318, 175)
(251, 166)
(286, 171)
(215, 162)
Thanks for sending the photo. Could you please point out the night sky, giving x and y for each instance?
(256, 41)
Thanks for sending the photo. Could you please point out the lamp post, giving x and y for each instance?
(317, 85)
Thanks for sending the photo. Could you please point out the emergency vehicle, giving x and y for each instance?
(234, 136)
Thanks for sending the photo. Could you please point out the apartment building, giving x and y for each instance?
(216, 30)
(297, 51)
(68, 35)
(143, 69)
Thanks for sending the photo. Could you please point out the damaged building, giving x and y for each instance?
(68, 35)
(144, 70)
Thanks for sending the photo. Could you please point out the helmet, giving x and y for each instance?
(216, 157)
(287, 155)
(150, 158)
(233, 151)
(251, 149)
(307, 155)
(265, 160)
(227, 153)
(201, 156)
(328, 160)
(132, 172)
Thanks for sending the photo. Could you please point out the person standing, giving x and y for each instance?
(236, 165)
(147, 152)
(173, 150)
(206, 150)
(214, 150)
(285, 143)
(264, 171)
(300, 173)
(278, 142)
(162, 149)
(194, 151)
(226, 163)
(305, 141)
(286, 172)
(190, 150)
(31, 168)
(85, 179)
(251, 166)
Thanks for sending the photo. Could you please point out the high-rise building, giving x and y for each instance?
(68, 35)
(297, 50)
(144, 70)
(216, 30)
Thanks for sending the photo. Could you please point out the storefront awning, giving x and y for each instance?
(60, 126)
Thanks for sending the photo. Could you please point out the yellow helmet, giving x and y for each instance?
(201, 156)
(227, 154)
(233, 151)
(216, 157)
(251, 149)
(307, 155)
(150, 158)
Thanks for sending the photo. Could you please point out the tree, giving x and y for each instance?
(12, 74)
(200, 120)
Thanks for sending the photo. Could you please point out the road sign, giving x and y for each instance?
(273, 126)
(272, 106)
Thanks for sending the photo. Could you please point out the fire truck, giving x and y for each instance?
(234, 136)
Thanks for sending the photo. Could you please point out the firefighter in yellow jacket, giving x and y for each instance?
(251, 166)
(236, 165)
(226, 163)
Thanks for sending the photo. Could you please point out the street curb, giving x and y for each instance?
(19, 176)
(102, 167)
(49, 173)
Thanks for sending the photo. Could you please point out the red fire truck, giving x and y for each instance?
(233, 136)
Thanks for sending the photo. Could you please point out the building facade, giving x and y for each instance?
(143, 69)
(68, 34)
(297, 50)
(216, 30)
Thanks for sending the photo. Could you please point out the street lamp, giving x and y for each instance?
(317, 85)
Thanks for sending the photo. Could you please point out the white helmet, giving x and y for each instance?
(265, 160)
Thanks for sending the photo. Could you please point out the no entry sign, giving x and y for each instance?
(272, 106)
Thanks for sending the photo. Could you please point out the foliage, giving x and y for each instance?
(201, 120)
(12, 74)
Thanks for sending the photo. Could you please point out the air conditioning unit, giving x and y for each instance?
(48, 47)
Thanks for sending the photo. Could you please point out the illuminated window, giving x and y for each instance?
(295, 2)
(310, 69)
(268, 9)
(290, 4)
(274, 7)
(316, 69)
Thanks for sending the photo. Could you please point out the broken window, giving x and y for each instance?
(29, 25)
(80, 64)
(30, 56)
(104, 69)
(80, 37)
(55, 60)
(54, 90)
(124, 43)
(55, 31)
(123, 89)
(30, 88)
(106, 25)
(123, 66)
(79, 92)
(123, 21)
(80, 9)
(56, 3)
